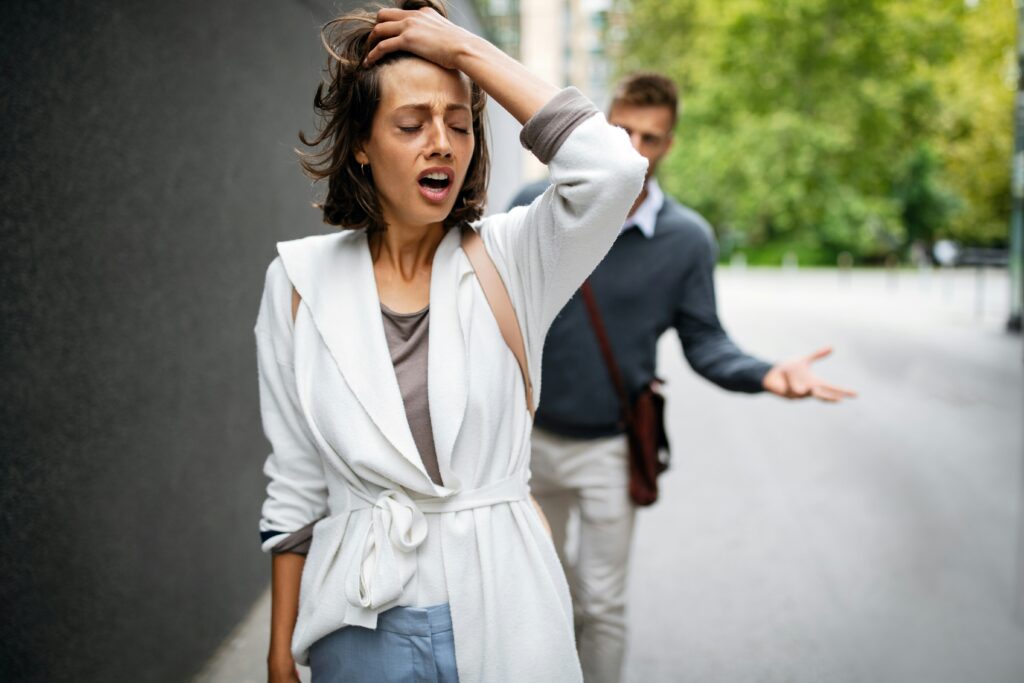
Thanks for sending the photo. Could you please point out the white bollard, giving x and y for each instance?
(738, 261)
(790, 262)
(892, 272)
(844, 263)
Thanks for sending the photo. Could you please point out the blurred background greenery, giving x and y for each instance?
(827, 126)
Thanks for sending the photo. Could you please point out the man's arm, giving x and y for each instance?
(716, 357)
(708, 348)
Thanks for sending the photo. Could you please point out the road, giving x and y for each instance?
(874, 541)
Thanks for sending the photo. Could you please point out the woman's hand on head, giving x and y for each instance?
(427, 34)
(423, 32)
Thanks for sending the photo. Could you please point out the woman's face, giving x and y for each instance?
(421, 141)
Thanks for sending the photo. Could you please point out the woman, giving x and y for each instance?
(394, 407)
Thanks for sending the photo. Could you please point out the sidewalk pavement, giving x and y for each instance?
(243, 656)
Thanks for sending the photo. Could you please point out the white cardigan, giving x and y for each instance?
(342, 447)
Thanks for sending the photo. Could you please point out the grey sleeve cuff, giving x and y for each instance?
(546, 130)
(296, 542)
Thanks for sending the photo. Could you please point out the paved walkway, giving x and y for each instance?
(876, 541)
(243, 656)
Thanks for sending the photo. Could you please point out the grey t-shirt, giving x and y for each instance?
(407, 335)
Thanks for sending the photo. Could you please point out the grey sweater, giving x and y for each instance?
(643, 287)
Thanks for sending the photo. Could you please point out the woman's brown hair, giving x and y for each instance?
(345, 102)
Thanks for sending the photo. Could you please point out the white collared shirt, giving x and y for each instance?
(646, 215)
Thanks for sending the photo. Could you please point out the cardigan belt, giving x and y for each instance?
(397, 528)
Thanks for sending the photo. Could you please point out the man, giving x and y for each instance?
(658, 274)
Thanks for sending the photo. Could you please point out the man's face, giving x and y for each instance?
(649, 129)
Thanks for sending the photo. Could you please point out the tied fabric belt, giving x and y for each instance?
(397, 528)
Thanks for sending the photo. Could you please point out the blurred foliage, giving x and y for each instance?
(823, 126)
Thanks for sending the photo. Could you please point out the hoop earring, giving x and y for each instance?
(362, 168)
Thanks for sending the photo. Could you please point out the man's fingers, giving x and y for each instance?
(845, 393)
(825, 394)
(798, 387)
(828, 392)
(819, 354)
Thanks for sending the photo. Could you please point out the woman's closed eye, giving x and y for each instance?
(415, 128)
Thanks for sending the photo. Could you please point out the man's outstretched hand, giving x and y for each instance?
(794, 378)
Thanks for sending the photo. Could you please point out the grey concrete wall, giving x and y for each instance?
(146, 173)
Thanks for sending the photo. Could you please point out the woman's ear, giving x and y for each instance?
(361, 157)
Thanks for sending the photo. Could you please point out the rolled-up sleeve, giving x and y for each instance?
(546, 130)
(296, 491)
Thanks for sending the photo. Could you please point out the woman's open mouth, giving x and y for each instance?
(436, 183)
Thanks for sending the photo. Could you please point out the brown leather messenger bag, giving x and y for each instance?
(643, 417)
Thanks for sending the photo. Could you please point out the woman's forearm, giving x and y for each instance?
(286, 575)
(508, 82)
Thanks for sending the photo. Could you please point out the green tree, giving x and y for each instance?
(830, 125)
(976, 91)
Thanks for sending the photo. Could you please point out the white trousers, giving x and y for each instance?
(585, 483)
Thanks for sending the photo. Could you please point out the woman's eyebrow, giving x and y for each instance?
(423, 106)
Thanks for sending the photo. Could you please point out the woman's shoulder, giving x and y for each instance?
(308, 257)
(301, 265)
(312, 246)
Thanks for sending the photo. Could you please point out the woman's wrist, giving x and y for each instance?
(471, 53)
(280, 647)
(468, 52)
(278, 659)
(505, 80)
(279, 653)
(282, 670)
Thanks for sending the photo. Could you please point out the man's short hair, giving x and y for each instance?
(648, 89)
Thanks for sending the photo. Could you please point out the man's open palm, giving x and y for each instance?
(794, 378)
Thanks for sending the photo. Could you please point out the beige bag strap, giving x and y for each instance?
(500, 303)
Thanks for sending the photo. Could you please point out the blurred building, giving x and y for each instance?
(567, 42)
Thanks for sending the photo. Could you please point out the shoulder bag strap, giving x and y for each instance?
(500, 303)
(597, 323)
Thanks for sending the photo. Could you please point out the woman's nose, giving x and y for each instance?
(440, 144)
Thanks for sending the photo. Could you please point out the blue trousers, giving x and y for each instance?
(409, 645)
